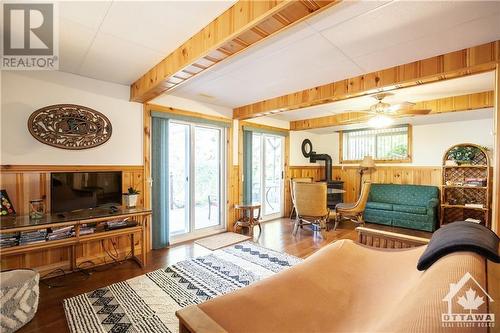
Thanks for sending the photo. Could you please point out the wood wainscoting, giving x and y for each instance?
(416, 175)
(27, 182)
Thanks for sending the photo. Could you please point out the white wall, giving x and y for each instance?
(23, 92)
(429, 141)
(322, 144)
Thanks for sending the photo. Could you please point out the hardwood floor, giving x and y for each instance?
(275, 235)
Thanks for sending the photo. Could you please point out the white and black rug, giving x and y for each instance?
(148, 302)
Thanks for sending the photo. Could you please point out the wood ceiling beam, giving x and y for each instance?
(238, 28)
(442, 105)
(464, 62)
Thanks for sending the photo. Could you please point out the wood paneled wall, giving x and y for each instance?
(416, 175)
(27, 182)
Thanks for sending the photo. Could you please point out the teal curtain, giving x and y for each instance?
(159, 171)
(247, 166)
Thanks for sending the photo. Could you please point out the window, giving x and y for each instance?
(386, 144)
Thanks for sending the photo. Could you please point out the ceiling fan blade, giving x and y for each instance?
(355, 120)
(360, 111)
(412, 112)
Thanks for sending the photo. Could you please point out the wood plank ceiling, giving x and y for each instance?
(241, 26)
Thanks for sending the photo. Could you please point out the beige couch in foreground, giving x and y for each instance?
(348, 287)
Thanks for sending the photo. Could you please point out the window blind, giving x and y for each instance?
(382, 144)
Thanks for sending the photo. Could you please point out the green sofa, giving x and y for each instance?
(407, 206)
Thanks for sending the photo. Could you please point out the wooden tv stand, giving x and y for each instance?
(77, 219)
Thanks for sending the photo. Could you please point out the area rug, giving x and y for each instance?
(148, 302)
(221, 240)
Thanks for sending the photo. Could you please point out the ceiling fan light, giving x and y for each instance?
(394, 108)
(380, 121)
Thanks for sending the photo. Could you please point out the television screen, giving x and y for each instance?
(82, 190)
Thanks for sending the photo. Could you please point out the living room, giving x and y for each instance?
(169, 162)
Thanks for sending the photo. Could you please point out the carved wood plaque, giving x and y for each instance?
(69, 126)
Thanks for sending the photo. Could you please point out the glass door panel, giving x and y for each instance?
(267, 173)
(273, 169)
(207, 172)
(178, 166)
(257, 168)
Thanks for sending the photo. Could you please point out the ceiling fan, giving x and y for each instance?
(382, 114)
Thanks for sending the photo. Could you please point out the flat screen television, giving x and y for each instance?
(70, 191)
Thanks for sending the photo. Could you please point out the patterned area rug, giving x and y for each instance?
(148, 302)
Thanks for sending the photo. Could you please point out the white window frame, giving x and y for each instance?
(343, 146)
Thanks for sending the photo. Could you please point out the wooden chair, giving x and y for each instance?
(297, 180)
(311, 204)
(353, 211)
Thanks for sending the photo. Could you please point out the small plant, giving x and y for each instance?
(464, 154)
(132, 191)
(130, 198)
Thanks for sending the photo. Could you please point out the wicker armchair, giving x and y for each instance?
(353, 211)
(292, 182)
(310, 201)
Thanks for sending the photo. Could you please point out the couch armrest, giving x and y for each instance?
(432, 203)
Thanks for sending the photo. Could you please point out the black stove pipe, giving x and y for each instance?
(313, 158)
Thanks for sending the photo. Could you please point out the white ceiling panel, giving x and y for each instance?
(118, 41)
(89, 14)
(343, 12)
(160, 25)
(74, 41)
(474, 32)
(109, 53)
(363, 37)
(296, 65)
(403, 21)
(295, 61)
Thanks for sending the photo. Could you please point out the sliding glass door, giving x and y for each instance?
(267, 173)
(207, 177)
(196, 183)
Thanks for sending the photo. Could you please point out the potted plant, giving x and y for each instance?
(130, 198)
(464, 154)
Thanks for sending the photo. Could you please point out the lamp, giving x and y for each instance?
(380, 121)
(366, 164)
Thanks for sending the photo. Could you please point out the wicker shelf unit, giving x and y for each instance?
(456, 190)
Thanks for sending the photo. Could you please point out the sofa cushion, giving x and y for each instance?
(378, 216)
(415, 195)
(379, 205)
(410, 209)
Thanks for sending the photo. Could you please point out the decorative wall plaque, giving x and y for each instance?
(69, 126)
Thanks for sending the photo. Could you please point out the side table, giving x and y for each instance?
(248, 218)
